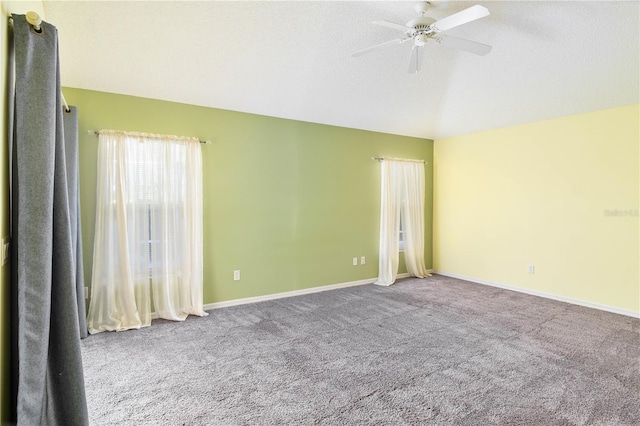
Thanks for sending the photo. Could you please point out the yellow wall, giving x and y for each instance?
(543, 194)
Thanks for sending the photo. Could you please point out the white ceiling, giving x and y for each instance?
(293, 60)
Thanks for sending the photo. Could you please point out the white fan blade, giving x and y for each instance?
(416, 59)
(377, 46)
(387, 24)
(462, 17)
(462, 44)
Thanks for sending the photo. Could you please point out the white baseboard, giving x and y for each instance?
(236, 302)
(256, 299)
(599, 306)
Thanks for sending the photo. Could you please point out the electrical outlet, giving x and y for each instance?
(236, 275)
(355, 261)
(363, 260)
(532, 269)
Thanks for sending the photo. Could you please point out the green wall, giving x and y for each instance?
(288, 203)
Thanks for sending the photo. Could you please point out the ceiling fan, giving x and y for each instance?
(423, 29)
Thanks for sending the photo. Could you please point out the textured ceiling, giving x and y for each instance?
(293, 60)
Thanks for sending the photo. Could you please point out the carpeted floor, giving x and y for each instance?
(431, 351)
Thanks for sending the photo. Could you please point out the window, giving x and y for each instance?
(401, 218)
(148, 239)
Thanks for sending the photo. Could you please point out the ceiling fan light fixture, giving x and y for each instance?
(421, 39)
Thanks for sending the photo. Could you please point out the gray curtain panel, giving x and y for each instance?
(70, 119)
(44, 259)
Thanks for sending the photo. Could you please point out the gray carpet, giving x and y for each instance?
(424, 351)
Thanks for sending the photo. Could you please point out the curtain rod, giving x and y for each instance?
(97, 132)
(64, 101)
(408, 160)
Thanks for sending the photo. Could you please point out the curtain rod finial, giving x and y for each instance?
(34, 19)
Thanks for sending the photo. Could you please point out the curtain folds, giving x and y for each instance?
(402, 197)
(148, 239)
(45, 232)
(413, 219)
(70, 120)
(391, 200)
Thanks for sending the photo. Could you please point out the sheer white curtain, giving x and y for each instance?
(148, 234)
(402, 196)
